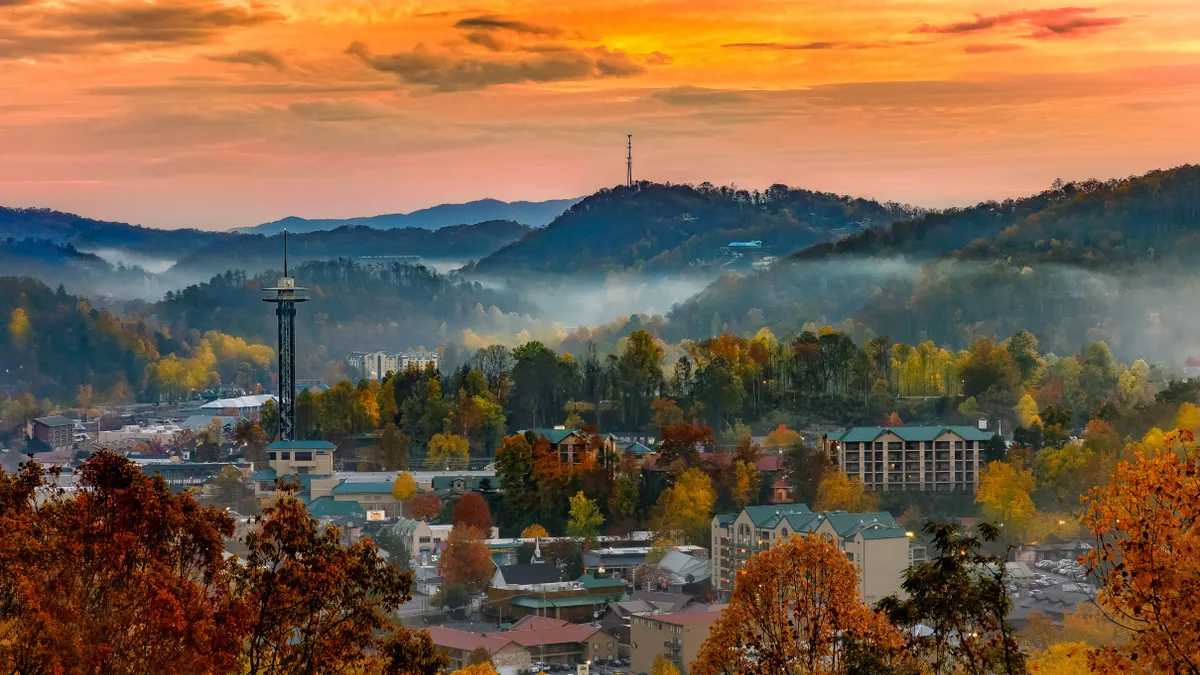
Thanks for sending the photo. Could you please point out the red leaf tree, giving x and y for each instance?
(472, 511)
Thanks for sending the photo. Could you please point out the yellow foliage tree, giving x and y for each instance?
(746, 481)
(663, 667)
(781, 439)
(684, 511)
(585, 519)
(1188, 418)
(368, 407)
(1066, 658)
(1027, 411)
(18, 327)
(448, 451)
(404, 488)
(1004, 491)
(839, 492)
(534, 531)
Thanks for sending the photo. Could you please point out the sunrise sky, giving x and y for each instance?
(217, 114)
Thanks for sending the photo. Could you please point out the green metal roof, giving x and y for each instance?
(553, 435)
(356, 488)
(327, 507)
(264, 474)
(769, 516)
(970, 433)
(914, 433)
(301, 445)
(590, 581)
(878, 525)
(572, 601)
(724, 519)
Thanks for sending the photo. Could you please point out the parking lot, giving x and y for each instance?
(620, 667)
(1065, 574)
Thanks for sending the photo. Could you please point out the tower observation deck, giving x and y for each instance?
(285, 295)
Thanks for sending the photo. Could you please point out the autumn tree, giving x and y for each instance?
(781, 438)
(514, 469)
(119, 575)
(794, 610)
(467, 561)
(683, 441)
(1004, 493)
(665, 412)
(961, 595)
(425, 506)
(1144, 522)
(404, 487)
(447, 451)
(534, 531)
(684, 510)
(251, 438)
(585, 521)
(1063, 658)
(746, 483)
(472, 510)
(229, 487)
(662, 666)
(315, 604)
(839, 492)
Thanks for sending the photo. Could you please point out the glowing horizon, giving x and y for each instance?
(219, 114)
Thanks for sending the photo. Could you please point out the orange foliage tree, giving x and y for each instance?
(466, 561)
(472, 511)
(124, 577)
(683, 441)
(795, 609)
(120, 575)
(425, 506)
(1145, 523)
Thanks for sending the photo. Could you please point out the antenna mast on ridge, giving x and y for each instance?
(629, 160)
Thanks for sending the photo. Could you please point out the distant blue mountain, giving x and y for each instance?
(534, 214)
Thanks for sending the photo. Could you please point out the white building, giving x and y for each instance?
(376, 365)
(242, 406)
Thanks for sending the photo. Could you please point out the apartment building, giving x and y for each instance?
(676, 636)
(917, 459)
(376, 365)
(55, 431)
(876, 544)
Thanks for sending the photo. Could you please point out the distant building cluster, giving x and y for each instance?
(376, 365)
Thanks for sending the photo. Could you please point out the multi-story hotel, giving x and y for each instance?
(921, 459)
(876, 544)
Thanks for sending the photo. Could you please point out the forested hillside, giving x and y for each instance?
(1077, 263)
(57, 345)
(86, 233)
(657, 228)
(354, 306)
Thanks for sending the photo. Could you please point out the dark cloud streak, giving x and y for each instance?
(491, 22)
(1044, 23)
(252, 57)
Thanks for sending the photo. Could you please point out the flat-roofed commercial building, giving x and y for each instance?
(916, 459)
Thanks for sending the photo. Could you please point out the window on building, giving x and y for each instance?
(302, 469)
(271, 456)
(285, 455)
(423, 540)
(850, 556)
(970, 445)
(304, 457)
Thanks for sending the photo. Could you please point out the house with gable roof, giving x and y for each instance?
(876, 544)
(916, 458)
(570, 444)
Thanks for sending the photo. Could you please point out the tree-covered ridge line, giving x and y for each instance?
(662, 228)
(257, 252)
(1095, 223)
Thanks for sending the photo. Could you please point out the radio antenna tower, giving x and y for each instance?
(285, 295)
(629, 160)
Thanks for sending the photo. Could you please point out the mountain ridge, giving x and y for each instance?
(532, 214)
